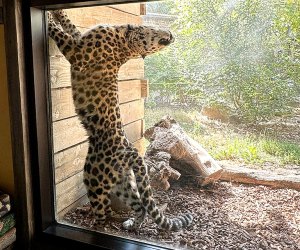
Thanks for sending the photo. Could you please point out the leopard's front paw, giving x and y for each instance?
(50, 17)
(129, 224)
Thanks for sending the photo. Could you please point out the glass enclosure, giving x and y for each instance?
(231, 81)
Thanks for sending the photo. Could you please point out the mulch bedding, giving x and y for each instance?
(227, 216)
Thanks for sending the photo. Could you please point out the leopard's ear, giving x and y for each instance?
(129, 29)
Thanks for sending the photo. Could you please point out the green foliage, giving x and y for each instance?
(244, 149)
(225, 144)
(258, 150)
(242, 55)
(288, 152)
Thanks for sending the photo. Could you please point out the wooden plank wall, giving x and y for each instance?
(69, 138)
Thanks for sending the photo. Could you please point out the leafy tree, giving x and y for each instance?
(242, 55)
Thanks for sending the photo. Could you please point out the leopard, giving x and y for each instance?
(112, 165)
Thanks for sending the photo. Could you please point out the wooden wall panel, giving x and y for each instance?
(69, 132)
(60, 71)
(132, 8)
(134, 130)
(92, 16)
(130, 90)
(72, 193)
(140, 145)
(70, 161)
(63, 107)
(78, 203)
(69, 138)
(69, 191)
(62, 103)
(132, 111)
(133, 69)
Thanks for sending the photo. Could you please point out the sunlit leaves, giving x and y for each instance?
(242, 54)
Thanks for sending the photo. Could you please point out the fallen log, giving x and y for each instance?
(185, 154)
(259, 177)
(160, 170)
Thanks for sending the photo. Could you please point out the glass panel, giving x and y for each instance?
(230, 82)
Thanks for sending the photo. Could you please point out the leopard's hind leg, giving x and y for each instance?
(100, 202)
(127, 192)
(147, 201)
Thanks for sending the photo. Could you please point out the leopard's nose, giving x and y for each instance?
(166, 41)
(172, 38)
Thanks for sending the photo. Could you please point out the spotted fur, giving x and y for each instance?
(113, 164)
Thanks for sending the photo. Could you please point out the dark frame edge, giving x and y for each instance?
(1, 12)
(39, 68)
(18, 105)
(83, 239)
(52, 4)
(1, 15)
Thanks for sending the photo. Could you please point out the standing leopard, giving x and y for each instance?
(113, 164)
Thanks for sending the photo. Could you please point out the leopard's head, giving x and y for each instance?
(145, 40)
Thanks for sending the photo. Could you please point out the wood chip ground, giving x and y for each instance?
(227, 216)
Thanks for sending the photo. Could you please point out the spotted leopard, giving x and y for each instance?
(113, 164)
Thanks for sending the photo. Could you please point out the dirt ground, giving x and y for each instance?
(227, 216)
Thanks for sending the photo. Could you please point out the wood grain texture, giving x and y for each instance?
(60, 74)
(69, 191)
(130, 90)
(78, 203)
(133, 69)
(144, 88)
(70, 161)
(132, 111)
(92, 16)
(15, 46)
(62, 103)
(131, 8)
(134, 130)
(259, 177)
(53, 50)
(63, 107)
(69, 137)
(69, 132)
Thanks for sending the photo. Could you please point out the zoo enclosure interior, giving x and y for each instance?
(69, 137)
(133, 88)
(36, 2)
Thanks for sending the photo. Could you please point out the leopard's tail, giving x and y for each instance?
(173, 224)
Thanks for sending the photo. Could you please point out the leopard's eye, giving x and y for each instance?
(164, 41)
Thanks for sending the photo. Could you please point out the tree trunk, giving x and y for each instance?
(169, 143)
